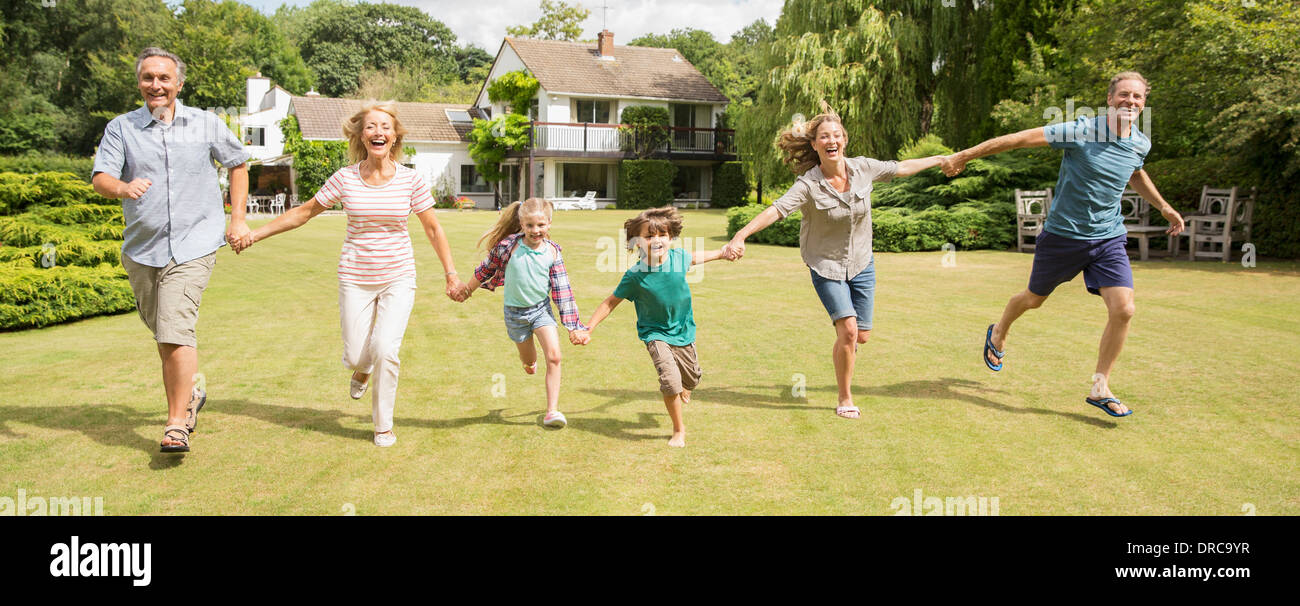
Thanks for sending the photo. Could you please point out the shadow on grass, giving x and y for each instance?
(332, 421)
(112, 425)
(777, 397)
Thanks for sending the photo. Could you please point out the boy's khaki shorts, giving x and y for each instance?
(678, 368)
(168, 297)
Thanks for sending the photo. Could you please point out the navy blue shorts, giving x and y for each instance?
(1058, 260)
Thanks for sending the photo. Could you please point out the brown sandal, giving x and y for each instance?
(192, 410)
(176, 433)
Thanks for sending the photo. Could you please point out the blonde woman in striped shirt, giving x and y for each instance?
(377, 266)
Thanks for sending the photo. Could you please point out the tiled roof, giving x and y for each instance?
(576, 67)
(323, 117)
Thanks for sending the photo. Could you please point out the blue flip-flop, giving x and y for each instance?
(988, 346)
(1102, 405)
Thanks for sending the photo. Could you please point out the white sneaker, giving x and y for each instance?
(358, 389)
(386, 439)
(555, 419)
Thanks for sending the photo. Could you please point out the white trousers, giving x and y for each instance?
(374, 318)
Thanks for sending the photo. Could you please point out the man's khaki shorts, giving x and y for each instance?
(168, 297)
(678, 368)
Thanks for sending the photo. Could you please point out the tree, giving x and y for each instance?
(340, 41)
(559, 21)
(516, 89)
(491, 139)
(884, 65)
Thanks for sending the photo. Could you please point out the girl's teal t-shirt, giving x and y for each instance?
(528, 275)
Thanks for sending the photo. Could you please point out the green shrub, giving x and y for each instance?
(968, 226)
(645, 130)
(19, 191)
(729, 185)
(85, 231)
(35, 163)
(82, 214)
(84, 253)
(645, 183)
(784, 232)
(32, 298)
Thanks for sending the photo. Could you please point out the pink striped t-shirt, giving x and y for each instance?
(377, 249)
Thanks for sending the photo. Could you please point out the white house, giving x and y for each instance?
(584, 89)
(436, 131)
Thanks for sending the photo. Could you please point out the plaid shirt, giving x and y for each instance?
(492, 274)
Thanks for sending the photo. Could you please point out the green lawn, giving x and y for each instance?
(1210, 367)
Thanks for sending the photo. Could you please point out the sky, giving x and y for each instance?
(484, 23)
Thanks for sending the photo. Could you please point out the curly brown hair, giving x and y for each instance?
(654, 221)
(795, 141)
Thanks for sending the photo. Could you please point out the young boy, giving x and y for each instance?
(657, 285)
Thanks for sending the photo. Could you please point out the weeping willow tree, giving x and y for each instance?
(892, 69)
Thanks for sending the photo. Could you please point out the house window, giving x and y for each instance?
(578, 179)
(596, 112)
(457, 115)
(254, 136)
(684, 115)
(471, 181)
(686, 185)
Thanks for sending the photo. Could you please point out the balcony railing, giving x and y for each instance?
(609, 138)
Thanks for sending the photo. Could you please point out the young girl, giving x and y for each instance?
(530, 265)
(377, 266)
(664, 320)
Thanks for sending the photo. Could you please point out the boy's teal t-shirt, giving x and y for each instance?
(528, 275)
(662, 298)
(1094, 172)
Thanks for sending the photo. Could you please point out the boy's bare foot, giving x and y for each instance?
(678, 440)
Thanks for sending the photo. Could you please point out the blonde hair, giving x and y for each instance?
(1120, 77)
(353, 126)
(795, 141)
(508, 222)
(665, 220)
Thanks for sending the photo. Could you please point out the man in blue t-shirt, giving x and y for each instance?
(1084, 231)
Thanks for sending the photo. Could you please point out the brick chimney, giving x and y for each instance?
(605, 44)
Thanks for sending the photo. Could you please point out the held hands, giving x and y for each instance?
(953, 165)
(456, 290)
(734, 250)
(580, 337)
(239, 236)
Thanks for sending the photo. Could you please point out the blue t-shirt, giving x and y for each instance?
(662, 298)
(1097, 167)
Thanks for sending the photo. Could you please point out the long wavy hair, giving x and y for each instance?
(795, 141)
(353, 126)
(508, 222)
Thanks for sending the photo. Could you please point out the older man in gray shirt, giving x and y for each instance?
(159, 160)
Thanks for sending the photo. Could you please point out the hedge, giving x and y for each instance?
(32, 298)
(900, 229)
(78, 166)
(729, 185)
(645, 183)
(19, 191)
(85, 232)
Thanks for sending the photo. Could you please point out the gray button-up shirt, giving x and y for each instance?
(180, 217)
(835, 234)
